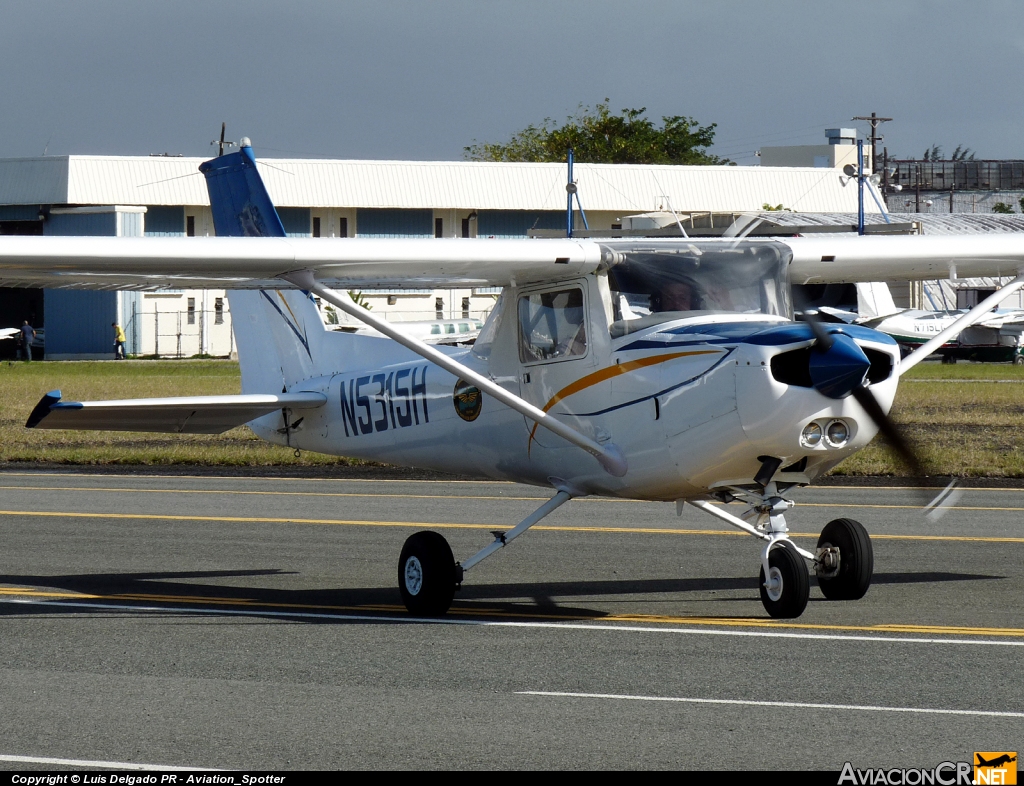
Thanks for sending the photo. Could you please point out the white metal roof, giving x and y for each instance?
(931, 223)
(470, 185)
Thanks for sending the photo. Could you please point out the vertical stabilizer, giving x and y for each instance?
(279, 332)
(874, 300)
(239, 201)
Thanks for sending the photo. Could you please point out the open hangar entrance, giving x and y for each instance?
(18, 305)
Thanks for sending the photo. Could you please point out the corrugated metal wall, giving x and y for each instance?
(130, 224)
(388, 222)
(296, 221)
(130, 309)
(101, 224)
(516, 223)
(78, 322)
(163, 221)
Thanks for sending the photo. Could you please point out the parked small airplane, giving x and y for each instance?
(996, 338)
(665, 369)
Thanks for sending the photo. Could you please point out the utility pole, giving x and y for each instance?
(875, 121)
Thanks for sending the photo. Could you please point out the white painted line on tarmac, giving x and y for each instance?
(103, 765)
(568, 625)
(786, 704)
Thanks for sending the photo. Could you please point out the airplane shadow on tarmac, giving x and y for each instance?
(175, 589)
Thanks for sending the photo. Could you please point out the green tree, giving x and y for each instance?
(598, 136)
(360, 299)
(1002, 207)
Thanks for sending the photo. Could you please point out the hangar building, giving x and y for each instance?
(335, 199)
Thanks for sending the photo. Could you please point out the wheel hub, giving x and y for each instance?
(773, 584)
(826, 561)
(413, 576)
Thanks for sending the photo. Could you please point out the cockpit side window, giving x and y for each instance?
(552, 326)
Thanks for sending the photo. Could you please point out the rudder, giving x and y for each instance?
(278, 332)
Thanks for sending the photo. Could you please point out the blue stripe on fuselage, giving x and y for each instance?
(756, 333)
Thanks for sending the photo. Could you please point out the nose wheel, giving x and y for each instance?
(786, 588)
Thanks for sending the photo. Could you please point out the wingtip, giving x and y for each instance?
(42, 409)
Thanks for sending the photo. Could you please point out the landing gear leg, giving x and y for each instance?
(785, 586)
(428, 574)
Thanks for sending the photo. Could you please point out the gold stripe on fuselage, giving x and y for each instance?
(609, 372)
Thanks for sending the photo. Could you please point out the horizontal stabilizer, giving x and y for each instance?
(182, 415)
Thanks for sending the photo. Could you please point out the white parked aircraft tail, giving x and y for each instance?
(875, 300)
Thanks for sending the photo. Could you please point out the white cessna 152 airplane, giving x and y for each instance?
(647, 369)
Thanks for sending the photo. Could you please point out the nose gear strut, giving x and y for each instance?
(842, 561)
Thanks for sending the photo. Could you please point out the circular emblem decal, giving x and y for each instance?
(468, 400)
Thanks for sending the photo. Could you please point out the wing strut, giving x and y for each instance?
(960, 324)
(609, 456)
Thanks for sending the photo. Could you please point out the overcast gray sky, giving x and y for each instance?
(415, 79)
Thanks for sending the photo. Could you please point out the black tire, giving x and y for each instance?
(796, 585)
(856, 560)
(1018, 360)
(426, 574)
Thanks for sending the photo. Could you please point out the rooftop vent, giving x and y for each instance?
(841, 136)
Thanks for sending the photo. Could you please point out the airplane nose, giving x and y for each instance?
(838, 370)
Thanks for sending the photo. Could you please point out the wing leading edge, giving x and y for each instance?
(256, 262)
(182, 415)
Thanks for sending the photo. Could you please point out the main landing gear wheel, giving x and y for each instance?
(426, 574)
(788, 585)
(856, 560)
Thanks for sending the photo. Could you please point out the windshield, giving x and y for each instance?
(654, 283)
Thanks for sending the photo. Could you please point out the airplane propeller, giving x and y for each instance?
(838, 369)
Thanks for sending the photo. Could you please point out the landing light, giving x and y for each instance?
(811, 435)
(837, 433)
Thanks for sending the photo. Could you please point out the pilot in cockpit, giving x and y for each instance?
(677, 295)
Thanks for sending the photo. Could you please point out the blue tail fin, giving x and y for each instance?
(279, 333)
(238, 199)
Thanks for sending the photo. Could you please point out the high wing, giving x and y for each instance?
(852, 258)
(179, 415)
(256, 263)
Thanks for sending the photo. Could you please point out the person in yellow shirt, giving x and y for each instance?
(119, 340)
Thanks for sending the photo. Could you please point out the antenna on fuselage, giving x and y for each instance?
(220, 143)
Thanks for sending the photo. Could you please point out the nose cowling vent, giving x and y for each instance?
(881, 365)
(794, 367)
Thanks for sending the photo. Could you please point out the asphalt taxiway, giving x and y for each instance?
(255, 623)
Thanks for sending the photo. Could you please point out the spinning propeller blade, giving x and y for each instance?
(826, 342)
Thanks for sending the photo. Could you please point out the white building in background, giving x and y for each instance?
(334, 200)
(840, 150)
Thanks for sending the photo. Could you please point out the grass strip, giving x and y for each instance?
(961, 426)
